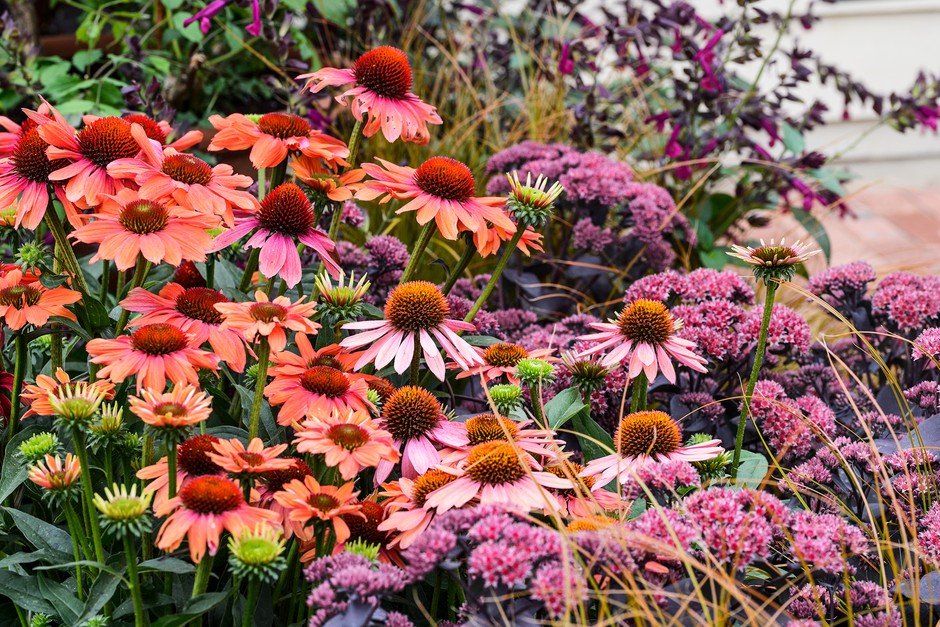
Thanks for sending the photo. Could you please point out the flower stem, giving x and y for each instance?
(75, 530)
(254, 586)
(755, 371)
(414, 373)
(19, 373)
(105, 280)
(171, 467)
(355, 140)
(462, 264)
(497, 271)
(88, 489)
(130, 552)
(423, 238)
(640, 387)
(535, 396)
(264, 353)
(203, 570)
(140, 275)
(65, 248)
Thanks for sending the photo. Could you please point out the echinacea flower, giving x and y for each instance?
(275, 136)
(406, 500)
(88, 153)
(153, 353)
(316, 392)
(234, 458)
(124, 511)
(192, 461)
(489, 428)
(32, 303)
(256, 554)
(190, 182)
(54, 474)
(204, 508)
(499, 472)
(269, 319)
(417, 422)
(192, 310)
(501, 359)
(161, 132)
(382, 92)
(488, 240)
(307, 500)
(285, 218)
(644, 333)
(175, 411)
(126, 225)
(415, 315)
(440, 189)
(348, 440)
(273, 482)
(530, 203)
(325, 185)
(76, 402)
(774, 261)
(647, 435)
(588, 494)
(343, 300)
(37, 395)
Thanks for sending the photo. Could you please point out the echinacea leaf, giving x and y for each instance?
(42, 535)
(563, 407)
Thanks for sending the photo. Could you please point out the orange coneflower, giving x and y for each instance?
(273, 137)
(55, 474)
(349, 440)
(335, 187)
(153, 353)
(37, 395)
(307, 500)
(232, 457)
(183, 407)
(33, 303)
(268, 318)
(488, 241)
(127, 225)
(382, 92)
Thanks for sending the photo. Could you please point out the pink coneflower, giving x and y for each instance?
(183, 407)
(187, 180)
(272, 483)
(488, 241)
(307, 500)
(406, 500)
(441, 189)
(286, 217)
(498, 472)
(127, 225)
(316, 392)
(192, 310)
(54, 474)
(153, 353)
(644, 333)
(268, 318)
(773, 260)
(415, 315)
(490, 428)
(204, 508)
(501, 359)
(588, 496)
(382, 93)
(24, 174)
(12, 133)
(349, 440)
(192, 461)
(647, 435)
(161, 132)
(273, 137)
(32, 303)
(37, 395)
(89, 152)
(417, 422)
(233, 457)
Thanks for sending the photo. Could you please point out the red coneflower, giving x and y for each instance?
(192, 461)
(33, 303)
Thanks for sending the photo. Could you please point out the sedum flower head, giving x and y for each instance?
(365, 549)
(31, 256)
(772, 261)
(535, 371)
(530, 203)
(76, 402)
(38, 446)
(713, 468)
(257, 554)
(506, 398)
(123, 511)
(342, 301)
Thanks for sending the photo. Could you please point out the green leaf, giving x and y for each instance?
(268, 429)
(193, 608)
(84, 58)
(67, 606)
(73, 326)
(100, 594)
(793, 139)
(595, 442)
(172, 5)
(815, 229)
(752, 469)
(563, 407)
(87, 563)
(191, 32)
(481, 340)
(167, 564)
(41, 534)
(336, 11)
(715, 259)
(372, 311)
(24, 591)
(14, 471)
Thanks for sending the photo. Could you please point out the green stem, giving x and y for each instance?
(119, 286)
(250, 266)
(755, 371)
(254, 587)
(292, 555)
(535, 396)
(171, 467)
(130, 552)
(497, 271)
(108, 471)
(462, 264)
(140, 275)
(210, 271)
(203, 570)
(264, 352)
(640, 387)
(55, 345)
(19, 373)
(88, 489)
(277, 175)
(427, 231)
(415, 372)
(105, 280)
(355, 140)
(62, 245)
(75, 530)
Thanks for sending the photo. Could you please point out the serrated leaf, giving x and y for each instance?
(563, 407)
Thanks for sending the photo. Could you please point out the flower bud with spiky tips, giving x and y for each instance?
(41, 620)
(32, 256)
(586, 373)
(38, 446)
(530, 203)
(342, 301)
(506, 398)
(773, 261)
(124, 512)
(535, 372)
(109, 428)
(709, 469)
(365, 549)
(257, 554)
(76, 402)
